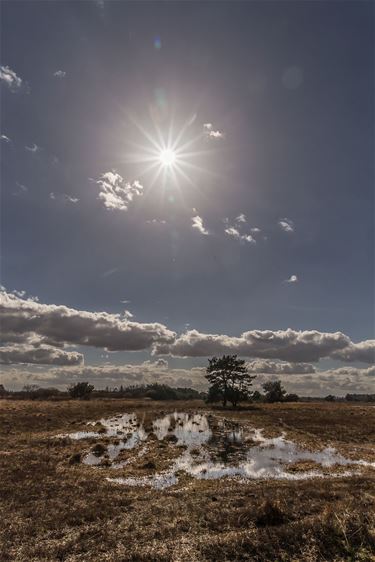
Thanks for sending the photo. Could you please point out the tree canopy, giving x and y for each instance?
(229, 379)
(274, 392)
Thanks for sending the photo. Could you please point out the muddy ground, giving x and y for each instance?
(56, 507)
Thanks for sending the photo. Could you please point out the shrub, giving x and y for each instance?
(291, 398)
(274, 392)
(270, 513)
(81, 390)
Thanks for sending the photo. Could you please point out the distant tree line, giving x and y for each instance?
(228, 378)
(360, 397)
(84, 391)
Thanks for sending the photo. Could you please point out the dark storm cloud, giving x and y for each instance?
(67, 325)
(42, 355)
(286, 345)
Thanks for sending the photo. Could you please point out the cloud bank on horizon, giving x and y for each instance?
(38, 334)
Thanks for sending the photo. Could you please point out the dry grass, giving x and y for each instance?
(53, 509)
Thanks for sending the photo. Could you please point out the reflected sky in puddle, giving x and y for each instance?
(77, 435)
(213, 448)
(270, 459)
(188, 429)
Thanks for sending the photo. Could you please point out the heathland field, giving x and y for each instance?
(123, 480)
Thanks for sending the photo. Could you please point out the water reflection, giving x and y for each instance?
(212, 448)
(188, 429)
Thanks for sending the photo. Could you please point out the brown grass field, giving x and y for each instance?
(53, 509)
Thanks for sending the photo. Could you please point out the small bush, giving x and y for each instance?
(75, 459)
(149, 465)
(270, 514)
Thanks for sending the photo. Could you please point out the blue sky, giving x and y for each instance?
(275, 106)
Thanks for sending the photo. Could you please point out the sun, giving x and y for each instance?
(167, 157)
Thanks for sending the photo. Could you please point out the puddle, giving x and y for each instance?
(188, 429)
(159, 481)
(213, 448)
(81, 435)
(268, 460)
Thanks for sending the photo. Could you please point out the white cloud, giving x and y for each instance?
(285, 345)
(27, 322)
(284, 368)
(351, 371)
(21, 189)
(21, 186)
(210, 133)
(116, 193)
(241, 218)
(110, 272)
(33, 148)
(63, 197)
(363, 351)
(216, 135)
(5, 138)
(40, 354)
(108, 375)
(286, 225)
(234, 232)
(63, 325)
(197, 223)
(70, 199)
(338, 382)
(60, 74)
(320, 383)
(292, 279)
(161, 363)
(10, 78)
(156, 221)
